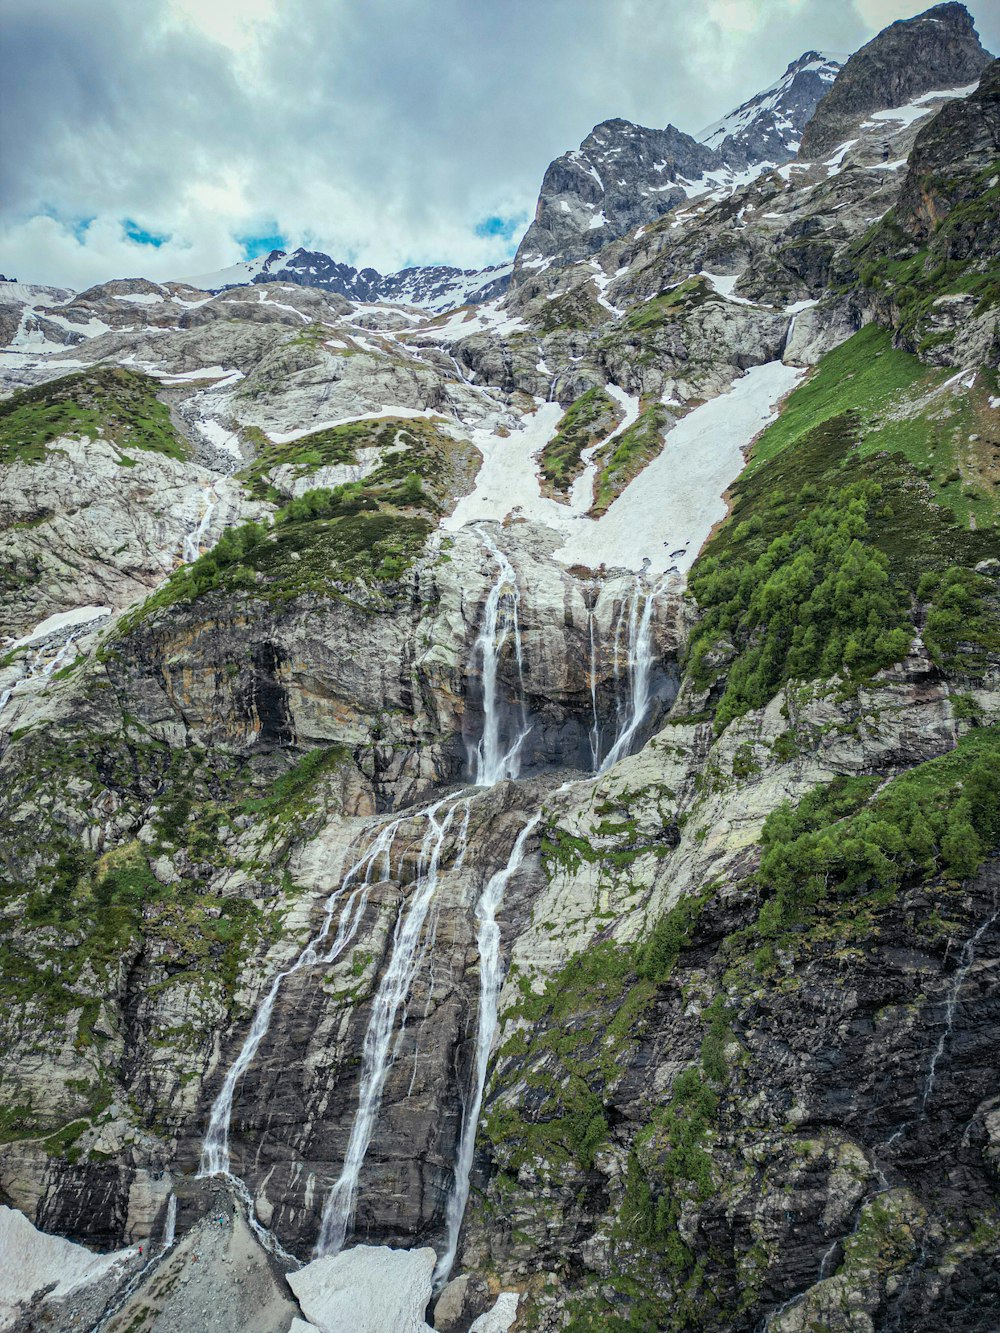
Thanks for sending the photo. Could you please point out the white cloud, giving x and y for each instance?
(235, 24)
(383, 132)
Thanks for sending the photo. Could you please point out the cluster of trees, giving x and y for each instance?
(958, 614)
(941, 818)
(816, 601)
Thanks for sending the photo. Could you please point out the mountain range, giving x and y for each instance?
(499, 771)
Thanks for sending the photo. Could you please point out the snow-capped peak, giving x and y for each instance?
(770, 124)
(436, 287)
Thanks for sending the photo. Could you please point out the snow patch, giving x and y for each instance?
(367, 1289)
(918, 108)
(673, 504)
(414, 413)
(507, 482)
(143, 298)
(500, 1318)
(30, 1261)
(206, 373)
(80, 615)
(487, 318)
(725, 285)
(220, 436)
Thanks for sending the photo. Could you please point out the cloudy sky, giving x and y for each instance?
(167, 138)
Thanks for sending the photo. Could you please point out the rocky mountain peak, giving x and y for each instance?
(620, 176)
(769, 126)
(936, 50)
(624, 175)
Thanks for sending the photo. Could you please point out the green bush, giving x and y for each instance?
(814, 601)
(841, 840)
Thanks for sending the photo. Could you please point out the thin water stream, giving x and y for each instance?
(215, 1159)
(498, 755)
(393, 991)
(490, 981)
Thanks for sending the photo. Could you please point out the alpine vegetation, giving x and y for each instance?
(500, 769)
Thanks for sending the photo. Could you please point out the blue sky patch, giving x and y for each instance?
(261, 245)
(499, 226)
(141, 236)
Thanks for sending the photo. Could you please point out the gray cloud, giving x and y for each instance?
(383, 132)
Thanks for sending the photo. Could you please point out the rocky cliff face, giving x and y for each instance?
(769, 127)
(518, 785)
(938, 49)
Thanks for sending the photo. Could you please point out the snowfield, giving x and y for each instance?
(31, 1261)
(664, 516)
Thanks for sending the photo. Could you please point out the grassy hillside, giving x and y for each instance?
(119, 405)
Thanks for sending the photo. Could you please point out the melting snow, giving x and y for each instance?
(670, 507)
(487, 318)
(286, 437)
(81, 615)
(143, 298)
(725, 285)
(219, 435)
(31, 1261)
(915, 110)
(674, 502)
(206, 373)
(508, 479)
(367, 1289)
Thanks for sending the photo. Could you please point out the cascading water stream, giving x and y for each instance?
(338, 1213)
(640, 668)
(194, 540)
(40, 667)
(966, 959)
(490, 982)
(215, 1158)
(170, 1225)
(595, 726)
(495, 758)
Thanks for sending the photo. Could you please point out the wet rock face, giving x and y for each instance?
(407, 695)
(938, 49)
(297, 1103)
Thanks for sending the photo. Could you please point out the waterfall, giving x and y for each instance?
(966, 958)
(215, 1146)
(170, 1225)
(490, 981)
(640, 668)
(338, 1213)
(40, 667)
(195, 538)
(494, 760)
(595, 726)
